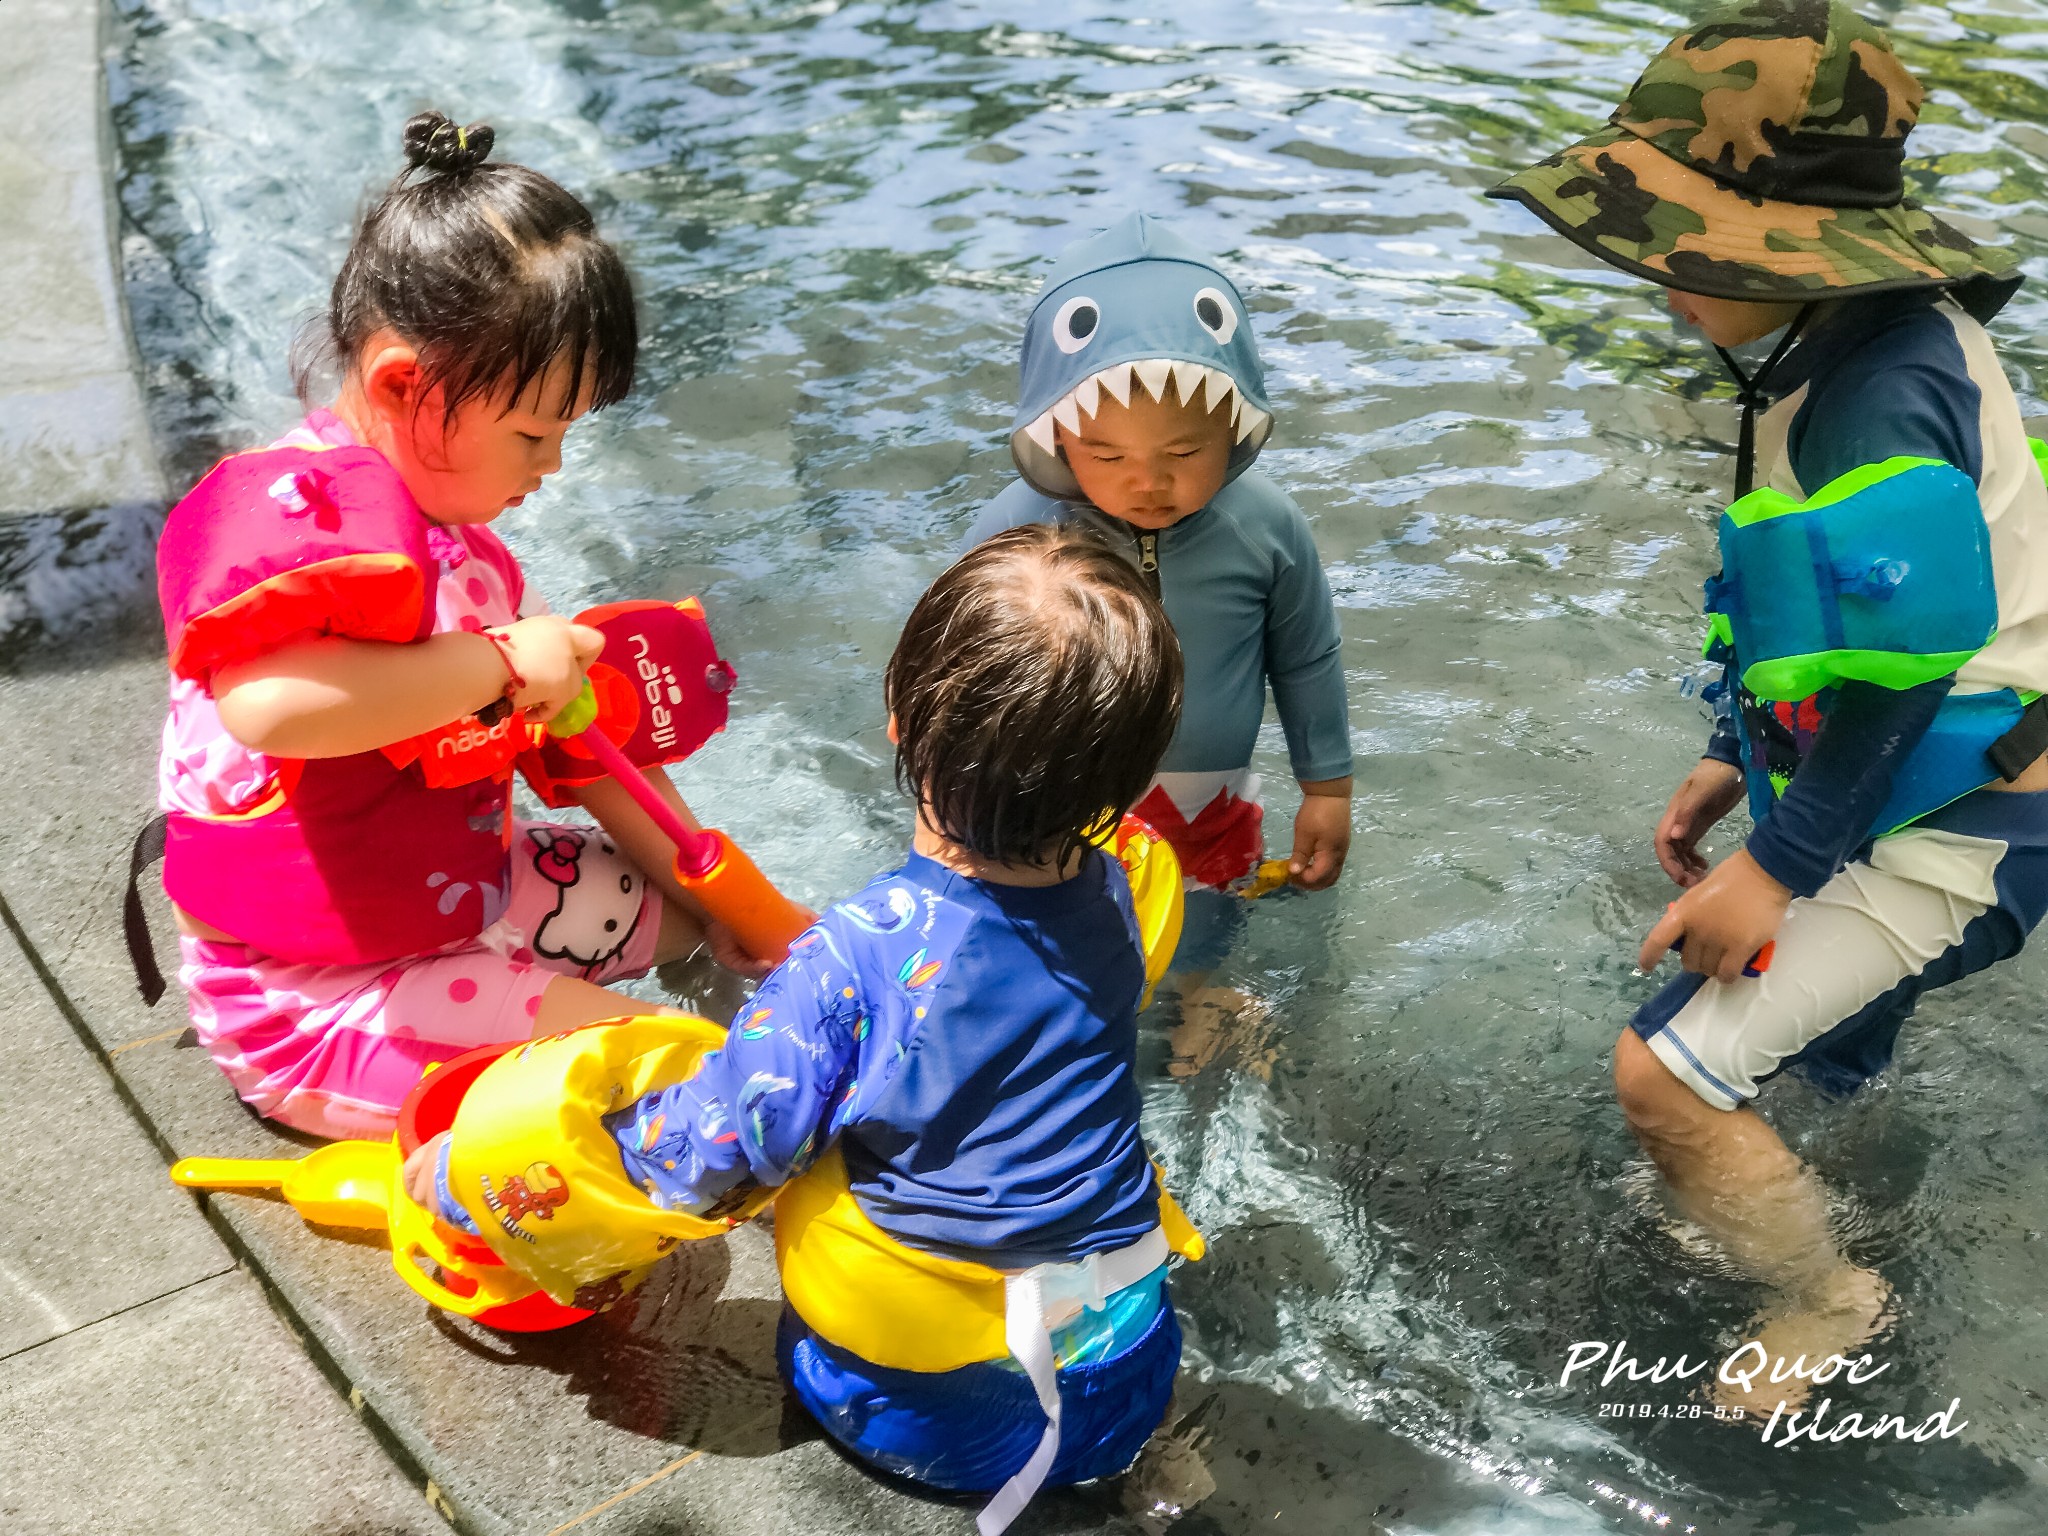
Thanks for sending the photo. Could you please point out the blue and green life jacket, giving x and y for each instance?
(1882, 576)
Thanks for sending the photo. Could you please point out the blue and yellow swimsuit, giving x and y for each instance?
(969, 1051)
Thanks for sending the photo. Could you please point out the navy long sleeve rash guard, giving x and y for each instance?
(1882, 376)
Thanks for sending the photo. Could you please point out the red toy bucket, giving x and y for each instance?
(429, 1110)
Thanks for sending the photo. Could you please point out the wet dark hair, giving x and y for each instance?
(1035, 688)
(492, 271)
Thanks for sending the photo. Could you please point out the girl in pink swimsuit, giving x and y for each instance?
(357, 660)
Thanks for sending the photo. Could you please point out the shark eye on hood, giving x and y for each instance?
(1076, 323)
(1216, 314)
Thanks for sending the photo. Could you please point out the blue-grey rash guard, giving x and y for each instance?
(1241, 578)
(1244, 587)
(970, 1047)
(1875, 377)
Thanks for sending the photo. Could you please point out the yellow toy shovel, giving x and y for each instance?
(356, 1184)
(1270, 876)
(348, 1184)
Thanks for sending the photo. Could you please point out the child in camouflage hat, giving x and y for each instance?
(1891, 745)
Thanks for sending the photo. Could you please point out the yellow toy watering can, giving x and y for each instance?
(357, 1184)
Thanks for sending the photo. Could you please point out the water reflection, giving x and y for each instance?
(64, 573)
(836, 213)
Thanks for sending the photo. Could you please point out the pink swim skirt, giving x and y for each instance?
(334, 1049)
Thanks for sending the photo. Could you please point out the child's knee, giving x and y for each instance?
(1653, 1097)
(570, 1002)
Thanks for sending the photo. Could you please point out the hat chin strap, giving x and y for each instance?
(1749, 393)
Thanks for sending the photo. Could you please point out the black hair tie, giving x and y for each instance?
(434, 143)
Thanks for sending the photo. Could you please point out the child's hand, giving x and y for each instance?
(418, 1174)
(1709, 792)
(1721, 921)
(1322, 834)
(725, 949)
(552, 654)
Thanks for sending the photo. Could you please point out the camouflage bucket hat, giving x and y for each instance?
(1760, 156)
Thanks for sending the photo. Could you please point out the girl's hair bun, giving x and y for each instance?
(434, 143)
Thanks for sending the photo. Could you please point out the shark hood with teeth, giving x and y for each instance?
(1135, 306)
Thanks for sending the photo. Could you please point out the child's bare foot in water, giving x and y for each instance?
(1216, 1019)
(1171, 1475)
(1792, 1341)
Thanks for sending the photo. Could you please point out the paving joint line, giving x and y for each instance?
(295, 1322)
(626, 1493)
(654, 1477)
(147, 1301)
(158, 1039)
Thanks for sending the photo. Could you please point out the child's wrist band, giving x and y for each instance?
(498, 708)
(447, 1208)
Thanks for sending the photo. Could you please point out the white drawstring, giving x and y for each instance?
(1030, 1341)
(1083, 1285)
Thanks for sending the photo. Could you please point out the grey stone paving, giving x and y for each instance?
(192, 1413)
(81, 493)
(91, 1226)
(144, 1384)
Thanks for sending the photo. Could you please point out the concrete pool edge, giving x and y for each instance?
(73, 433)
(81, 485)
(82, 490)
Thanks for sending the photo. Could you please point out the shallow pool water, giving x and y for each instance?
(1418, 1189)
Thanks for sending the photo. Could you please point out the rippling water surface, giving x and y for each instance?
(1418, 1190)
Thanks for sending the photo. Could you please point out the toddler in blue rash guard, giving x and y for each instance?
(943, 1072)
(1141, 413)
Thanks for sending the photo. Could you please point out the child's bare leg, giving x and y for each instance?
(1171, 1475)
(1195, 1039)
(571, 1002)
(1731, 1174)
(682, 934)
(1214, 1019)
(1727, 1170)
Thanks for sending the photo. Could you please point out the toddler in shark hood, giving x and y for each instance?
(1142, 410)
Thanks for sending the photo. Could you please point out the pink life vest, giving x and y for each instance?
(339, 860)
